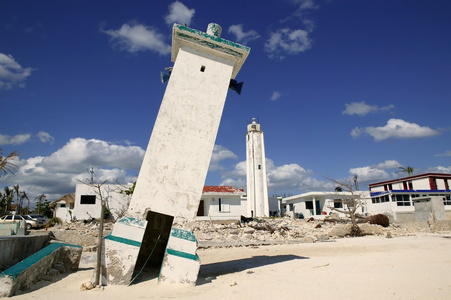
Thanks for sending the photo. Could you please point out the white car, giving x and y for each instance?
(17, 218)
(41, 220)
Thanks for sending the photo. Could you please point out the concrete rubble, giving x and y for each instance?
(266, 231)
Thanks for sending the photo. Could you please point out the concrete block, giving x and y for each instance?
(33, 268)
(181, 263)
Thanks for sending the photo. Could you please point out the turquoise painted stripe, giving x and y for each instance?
(18, 268)
(183, 234)
(182, 254)
(123, 240)
(129, 221)
(213, 38)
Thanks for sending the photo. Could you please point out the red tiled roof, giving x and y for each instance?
(222, 190)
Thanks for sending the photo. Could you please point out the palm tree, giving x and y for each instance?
(16, 189)
(6, 164)
(39, 202)
(23, 195)
(408, 170)
(8, 197)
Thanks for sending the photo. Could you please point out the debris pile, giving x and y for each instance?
(283, 230)
(258, 231)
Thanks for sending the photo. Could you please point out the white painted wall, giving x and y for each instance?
(230, 207)
(178, 155)
(326, 200)
(63, 211)
(421, 184)
(114, 200)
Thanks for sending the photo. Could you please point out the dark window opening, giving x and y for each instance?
(338, 204)
(219, 204)
(402, 200)
(202, 69)
(259, 167)
(88, 199)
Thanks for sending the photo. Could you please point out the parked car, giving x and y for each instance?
(40, 219)
(30, 223)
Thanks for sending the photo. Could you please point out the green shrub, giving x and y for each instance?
(55, 220)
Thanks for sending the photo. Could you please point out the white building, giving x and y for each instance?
(221, 203)
(397, 196)
(88, 205)
(320, 204)
(257, 189)
(63, 207)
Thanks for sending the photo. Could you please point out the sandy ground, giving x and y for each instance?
(413, 267)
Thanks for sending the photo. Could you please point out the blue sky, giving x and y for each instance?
(340, 88)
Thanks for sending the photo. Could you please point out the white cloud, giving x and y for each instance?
(136, 37)
(369, 174)
(388, 164)
(439, 169)
(17, 139)
(281, 179)
(45, 137)
(291, 41)
(79, 154)
(238, 171)
(305, 4)
(241, 36)
(362, 109)
(446, 153)
(275, 96)
(395, 128)
(219, 154)
(179, 13)
(288, 41)
(55, 175)
(11, 73)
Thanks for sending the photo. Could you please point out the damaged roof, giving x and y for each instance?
(222, 190)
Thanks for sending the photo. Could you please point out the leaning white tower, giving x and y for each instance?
(157, 229)
(257, 189)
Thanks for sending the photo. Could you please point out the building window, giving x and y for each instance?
(410, 185)
(224, 206)
(202, 68)
(291, 207)
(259, 167)
(447, 200)
(402, 200)
(381, 199)
(88, 199)
(63, 205)
(338, 204)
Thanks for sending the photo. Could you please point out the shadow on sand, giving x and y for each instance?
(209, 272)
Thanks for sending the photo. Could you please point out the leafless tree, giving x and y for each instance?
(351, 200)
(98, 189)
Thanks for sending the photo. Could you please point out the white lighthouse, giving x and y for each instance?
(257, 189)
(157, 227)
